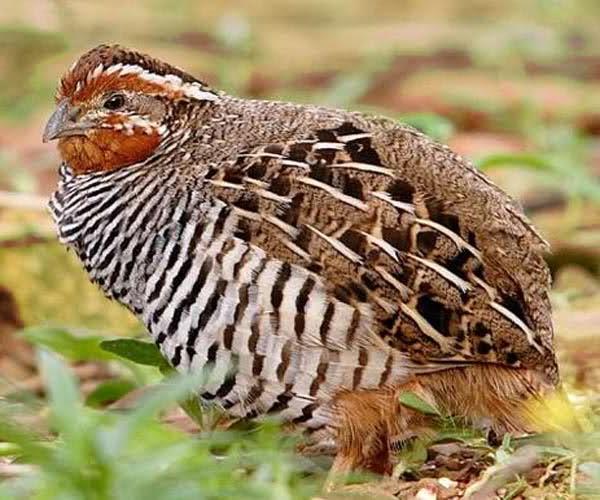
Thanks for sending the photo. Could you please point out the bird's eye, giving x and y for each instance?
(115, 101)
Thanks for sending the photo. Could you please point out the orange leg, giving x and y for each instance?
(369, 425)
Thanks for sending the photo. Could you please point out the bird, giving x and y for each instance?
(315, 263)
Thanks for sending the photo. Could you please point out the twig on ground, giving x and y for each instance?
(523, 460)
(573, 479)
(550, 470)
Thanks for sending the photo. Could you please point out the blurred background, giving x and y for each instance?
(513, 85)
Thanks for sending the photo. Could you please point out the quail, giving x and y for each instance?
(316, 263)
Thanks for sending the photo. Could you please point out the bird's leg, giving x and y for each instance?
(364, 422)
(342, 466)
(319, 442)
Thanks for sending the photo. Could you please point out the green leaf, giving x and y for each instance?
(435, 126)
(62, 390)
(193, 409)
(8, 449)
(108, 392)
(173, 390)
(413, 401)
(528, 160)
(414, 455)
(138, 351)
(70, 346)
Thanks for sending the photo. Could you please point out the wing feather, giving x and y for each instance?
(446, 262)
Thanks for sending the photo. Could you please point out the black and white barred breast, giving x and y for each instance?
(344, 256)
(271, 338)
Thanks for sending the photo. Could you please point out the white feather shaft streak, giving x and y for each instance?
(270, 195)
(400, 205)
(384, 245)
(517, 321)
(353, 137)
(262, 154)
(338, 195)
(365, 167)
(458, 241)
(294, 163)
(327, 145)
(247, 214)
(425, 327)
(291, 231)
(401, 287)
(338, 245)
(225, 184)
(488, 289)
(442, 271)
(296, 249)
(256, 182)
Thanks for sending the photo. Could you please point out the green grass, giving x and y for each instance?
(99, 454)
(69, 444)
(84, 450)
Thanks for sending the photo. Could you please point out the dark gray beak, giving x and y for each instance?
(63, 122)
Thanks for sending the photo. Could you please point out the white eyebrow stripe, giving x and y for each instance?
(338, 245)
(173, 82)
(516, 320)
(194, 91)
(114, 69)
(457, 239)
(425, 326)
(353, 137)
(97, 71)
(400, 205)
(365, 167)
(130, 69)
(338, 195)
(442, 271)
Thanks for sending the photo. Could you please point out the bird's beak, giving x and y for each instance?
(63, 122)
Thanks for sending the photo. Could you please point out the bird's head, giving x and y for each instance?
(115, 106)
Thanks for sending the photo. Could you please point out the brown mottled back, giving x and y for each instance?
(315, 262)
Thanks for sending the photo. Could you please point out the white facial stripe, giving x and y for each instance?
(172, 83)
(114, 69)
(140, 122)
(131, 122)
(98, 71)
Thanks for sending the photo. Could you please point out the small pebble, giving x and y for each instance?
(447, 482)
(426, 494)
